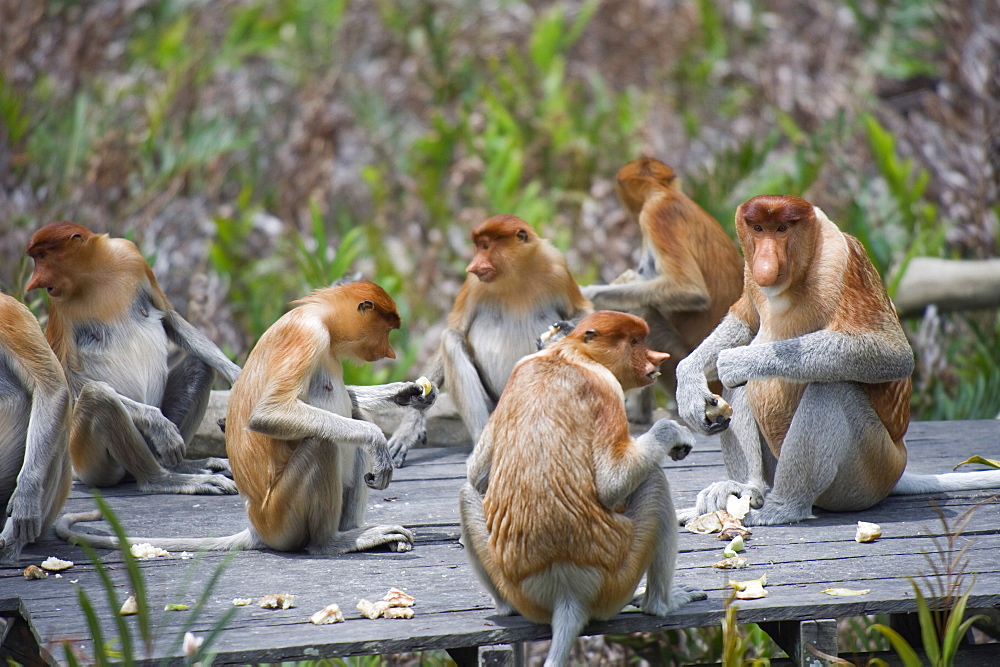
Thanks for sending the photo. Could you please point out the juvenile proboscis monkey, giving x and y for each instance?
(302, 450)
(817, 370)
(689, 272)
(563, 510)
(35, 407)
(518, 286)
(109, 325)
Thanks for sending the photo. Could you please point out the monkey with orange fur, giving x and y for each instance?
(518, 286)
(563, 510)
(302, 448)
(817, 370)
(35, 406)
(689, 273)
(109, 325)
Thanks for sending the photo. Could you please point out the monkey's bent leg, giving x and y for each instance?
(185, 397)
(748, 459)
(105, 443)
(475, 538)
(651, 509)
(464, 384)
(827, 440)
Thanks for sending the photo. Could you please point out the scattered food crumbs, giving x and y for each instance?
(74, 581)
(198, 505)
(372, 609)
(868, 532)
(397, 598)
(57, 575)
(733, 563)
(129, 607)
(241, 602)
(326, 615)
(845, 591)
(147, 550)
(398, 612)
(34, 572)
(277, 601)
(54, 564)
(185, 555)
(704, 524)
(176, 607)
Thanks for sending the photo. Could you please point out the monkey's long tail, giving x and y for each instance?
(910, 483)
(245, 539)
(569, 617)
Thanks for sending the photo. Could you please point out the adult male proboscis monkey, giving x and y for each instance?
(35, 406)
(109, 325)
(818, 374)
(563, 510)
(518, 287)
(302, 450)
(689, 274)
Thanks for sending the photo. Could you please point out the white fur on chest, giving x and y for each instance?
(132, 358)
(498, 342)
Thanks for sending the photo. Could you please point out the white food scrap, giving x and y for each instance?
(868, 532)
(750, 590)
(328, 614)
(733, 563)
(277, 601)
(738, 507)
(398, 612)
(372, 609)
(704, 524)
(241, 602)
(129, 607)
(845, 591)
(720, 409)
(54, 564)
(398, 598)
(147, 550)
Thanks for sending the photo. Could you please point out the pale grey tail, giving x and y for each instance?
(910, 483)
(245, 539)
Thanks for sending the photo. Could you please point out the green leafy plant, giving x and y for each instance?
(126, 648)
(941, 611)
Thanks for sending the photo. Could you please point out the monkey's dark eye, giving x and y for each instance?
(758, 228)
(635, 341)
(782, 228)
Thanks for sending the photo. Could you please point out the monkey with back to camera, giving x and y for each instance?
(35, 407)
(689, 274)
(817, 370)
(518, 287)
(302, 445)
(563, 511)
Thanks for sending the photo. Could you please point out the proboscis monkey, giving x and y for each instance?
(35, 407)
(563, 510)
(689, 272)
(518, 286)
(302, 451)
(817, 370)
(109, 325)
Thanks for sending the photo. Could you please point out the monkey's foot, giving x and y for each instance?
(656, 606)
(776, 512)
(207, 485)
(714, 497)
(396, 538)
(204, 466)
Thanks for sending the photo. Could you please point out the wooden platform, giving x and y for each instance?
(452, 611)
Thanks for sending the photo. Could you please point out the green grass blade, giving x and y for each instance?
(94, 625)
(928, 631)
(114, 604)
(902, 647)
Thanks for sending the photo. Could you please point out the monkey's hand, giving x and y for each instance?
(675, 439)
(737, 365)
(416, 395)
(715, 495)
(702, 410)
(24, 522)
(165, 438)
(378, 449)
(553, 333)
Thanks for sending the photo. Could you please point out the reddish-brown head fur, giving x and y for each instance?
(617, 341)
(60, 251)
(359, 316)
(778, 235)
(497, 241)
(638, 179)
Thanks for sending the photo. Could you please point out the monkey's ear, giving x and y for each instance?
(523, 235)
(365, 306)
(589, 335)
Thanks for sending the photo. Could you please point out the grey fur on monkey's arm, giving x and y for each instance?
(192, 340)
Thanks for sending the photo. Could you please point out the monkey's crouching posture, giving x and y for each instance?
(518, 286)
(818, 374)
(563, 510)
(302, 450)
(35, 406)
(109, 325)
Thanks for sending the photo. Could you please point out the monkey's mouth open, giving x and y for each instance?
(652, 375)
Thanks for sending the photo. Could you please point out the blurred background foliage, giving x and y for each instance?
(258, 149)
